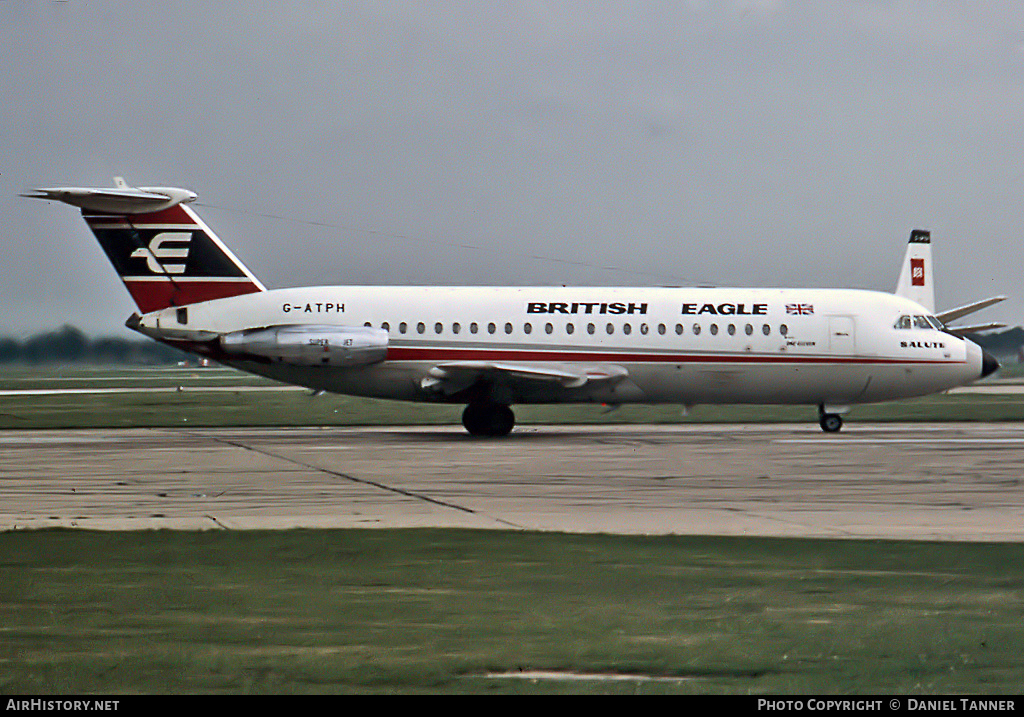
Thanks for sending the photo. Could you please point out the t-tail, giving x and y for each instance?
(164, 253)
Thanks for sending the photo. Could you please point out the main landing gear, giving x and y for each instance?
(488, 419)
(829, 422)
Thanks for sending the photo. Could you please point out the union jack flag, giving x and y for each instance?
(799, 308)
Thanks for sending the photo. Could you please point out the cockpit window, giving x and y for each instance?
(918, 322)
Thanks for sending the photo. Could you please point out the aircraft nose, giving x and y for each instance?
(989, 365)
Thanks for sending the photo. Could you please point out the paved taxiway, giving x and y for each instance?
(923, 481)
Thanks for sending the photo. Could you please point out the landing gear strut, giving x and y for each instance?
(488, 419)
(829, 422)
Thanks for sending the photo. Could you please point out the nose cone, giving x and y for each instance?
(989, 365)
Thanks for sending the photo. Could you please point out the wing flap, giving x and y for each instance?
(454, 376)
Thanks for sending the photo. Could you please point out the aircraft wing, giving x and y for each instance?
(961, 311)
(454, 376)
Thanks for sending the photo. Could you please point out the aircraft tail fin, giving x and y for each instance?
(164, 253)
(915, 281)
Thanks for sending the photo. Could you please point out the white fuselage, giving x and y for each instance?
(677, 345)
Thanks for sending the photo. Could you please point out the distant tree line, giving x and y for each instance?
(69, 345)
(1007, 344)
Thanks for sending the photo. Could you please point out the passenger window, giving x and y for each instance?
(548, 328)
(569, 328)
(766, 330)
(527, 328)
(491, 328)
(784, 330)
(714, 329)
(438, 327)
(402, 327)
(749, 329)
(610, 328)
(627, 329)
(473, 328)
(421, 327)
(591, 328)
(643, 329)
(661, 329)
(456, 328)
(367, 324)
(386, 326)
(732, 329)
(696, 330)
(508, 328)
(679, 329)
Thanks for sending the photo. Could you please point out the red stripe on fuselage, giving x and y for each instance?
(408, 353)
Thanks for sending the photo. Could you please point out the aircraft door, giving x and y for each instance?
(841, 335)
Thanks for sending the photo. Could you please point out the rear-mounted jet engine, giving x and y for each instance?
(306, 345)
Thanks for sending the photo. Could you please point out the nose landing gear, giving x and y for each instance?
(830, 421)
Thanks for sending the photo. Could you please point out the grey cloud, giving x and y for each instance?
(749, 143)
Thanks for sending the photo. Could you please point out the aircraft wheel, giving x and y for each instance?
(831, 422)
(488, 419)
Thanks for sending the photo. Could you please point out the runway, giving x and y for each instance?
(915, 481)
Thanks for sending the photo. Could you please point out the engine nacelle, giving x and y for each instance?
(309, 345)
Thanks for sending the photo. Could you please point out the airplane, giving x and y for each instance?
(494, 347)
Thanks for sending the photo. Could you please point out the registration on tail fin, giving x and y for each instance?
(164, 253)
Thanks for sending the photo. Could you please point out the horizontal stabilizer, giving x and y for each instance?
(961, 311)
(118, 200)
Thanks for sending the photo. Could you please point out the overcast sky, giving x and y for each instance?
(747, 143)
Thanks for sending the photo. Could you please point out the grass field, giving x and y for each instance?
(460, 611)
(223, 397)
(448, 611)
